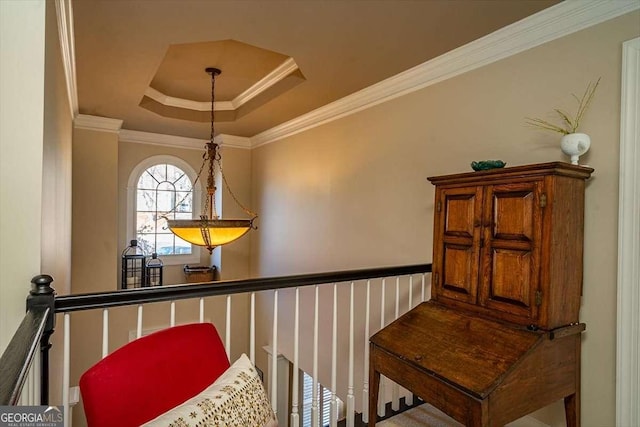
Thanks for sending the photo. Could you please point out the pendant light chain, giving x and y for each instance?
(212, 154)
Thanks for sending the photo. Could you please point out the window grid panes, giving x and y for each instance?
(164, 191)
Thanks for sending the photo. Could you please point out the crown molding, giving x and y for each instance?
(557, 21)
(64, 18)
(276, 75)
(150, 138)
(101, 124)
(234, 141)
(279, 73)
(187, 104)
(174, 141)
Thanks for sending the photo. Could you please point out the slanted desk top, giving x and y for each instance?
(472, 353)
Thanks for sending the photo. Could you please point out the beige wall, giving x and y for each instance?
(22, 76)
(56, 186)
(56, 173)
(95, 202)
(353, 193)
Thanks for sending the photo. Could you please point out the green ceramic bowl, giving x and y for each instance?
(487, 164)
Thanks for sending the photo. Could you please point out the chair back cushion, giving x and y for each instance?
(152, 374)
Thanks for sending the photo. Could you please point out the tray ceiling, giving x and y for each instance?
(143, 61)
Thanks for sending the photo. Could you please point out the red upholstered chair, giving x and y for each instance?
(151, 375)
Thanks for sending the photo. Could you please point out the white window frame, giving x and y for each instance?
(132, 185)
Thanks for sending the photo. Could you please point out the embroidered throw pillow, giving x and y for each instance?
(235, 399)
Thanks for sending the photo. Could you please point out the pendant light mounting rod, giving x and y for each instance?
(213, 70)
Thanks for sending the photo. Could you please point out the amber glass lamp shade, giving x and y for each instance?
(210, 232)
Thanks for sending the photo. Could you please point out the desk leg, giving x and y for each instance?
(374, 388)
(572, 402)
(572, 409)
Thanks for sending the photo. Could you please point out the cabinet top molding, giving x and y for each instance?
(542, 169)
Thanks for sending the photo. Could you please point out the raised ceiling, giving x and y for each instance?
(143, 61)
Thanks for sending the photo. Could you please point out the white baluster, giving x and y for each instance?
(333, 417)
(395, 388)
(201, 310)
(65, 368)
(413, 397)
(227, 330)
(381, 393)
(252, 329)
(35, 367)
(38, 375)
(351, 401)
(314, 399)
(365, 386)
(274, 358)
(105, 332)
(139, 328)
(172, 319)
(423, 274)
(295, 417)
(410, 292)
(31, 380)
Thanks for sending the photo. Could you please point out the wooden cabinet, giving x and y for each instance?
(508, 243)
(500, 337)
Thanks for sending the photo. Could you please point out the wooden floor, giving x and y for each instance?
(388, 413)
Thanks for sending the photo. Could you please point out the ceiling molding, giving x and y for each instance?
(234, 141)
(276, 75)
(557, 21)
(138, 137)
(279, 73)
(174, 141)
(101, 124)
(64, 17)
(187, 104)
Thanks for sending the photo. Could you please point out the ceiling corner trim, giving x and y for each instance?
(287, 67)
(557, 21)
(101, 124)
(64, 17)
(139, 137)
(234, 141)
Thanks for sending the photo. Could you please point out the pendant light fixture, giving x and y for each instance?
(210, 230)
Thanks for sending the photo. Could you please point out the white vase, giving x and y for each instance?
(575, 145)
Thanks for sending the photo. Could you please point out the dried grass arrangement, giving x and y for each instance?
(569, 124)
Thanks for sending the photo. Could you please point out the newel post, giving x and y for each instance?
(42, 294)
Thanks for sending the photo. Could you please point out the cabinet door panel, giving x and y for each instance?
(459, 214)
(457, 234)
(511, 254)
(511, 277)
(459, 262)
(513, 215)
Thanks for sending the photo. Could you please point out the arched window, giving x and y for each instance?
(161, 188)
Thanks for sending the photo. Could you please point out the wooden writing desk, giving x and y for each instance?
(500, 337)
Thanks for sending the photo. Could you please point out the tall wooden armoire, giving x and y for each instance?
(500, 337)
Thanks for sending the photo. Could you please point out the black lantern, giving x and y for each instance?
(153, 273)
(133, 267)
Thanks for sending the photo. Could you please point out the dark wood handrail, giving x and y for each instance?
(17, 357)
(68, 303)
(42, 304)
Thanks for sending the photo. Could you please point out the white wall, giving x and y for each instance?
(22, 47)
